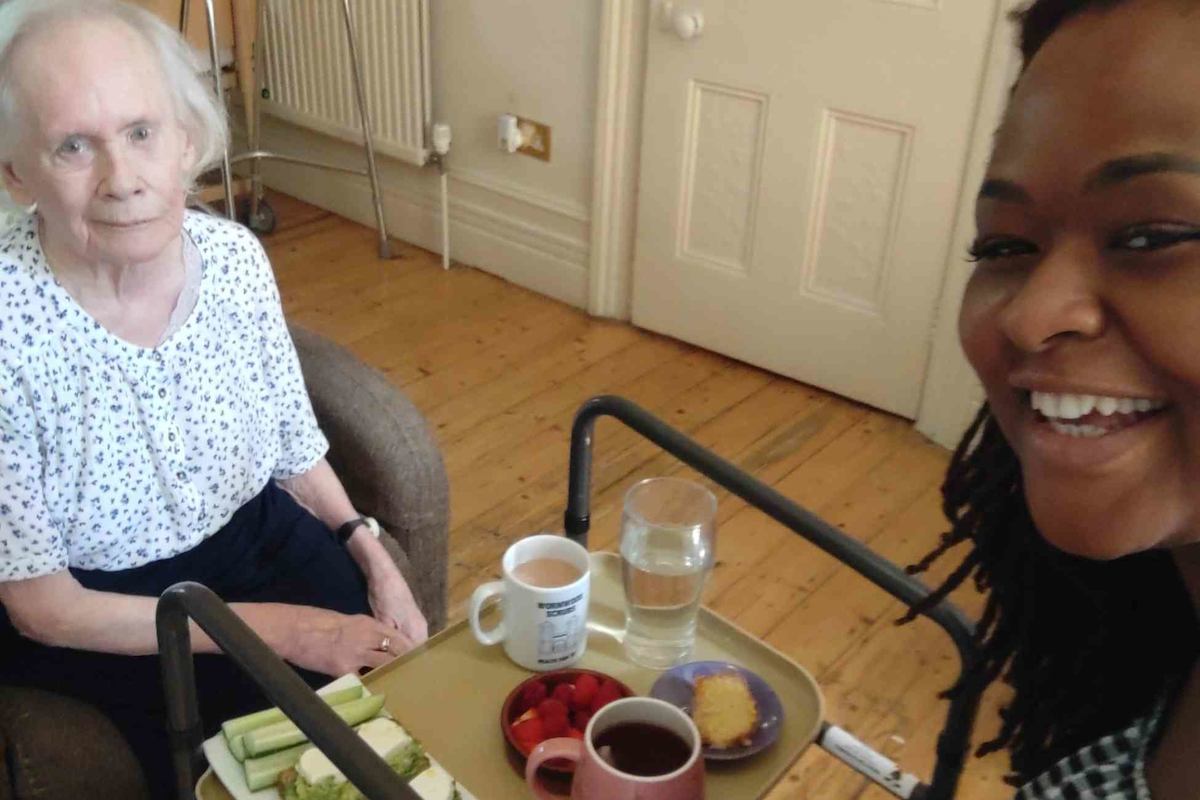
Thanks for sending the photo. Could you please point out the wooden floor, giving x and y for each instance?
(499, 371)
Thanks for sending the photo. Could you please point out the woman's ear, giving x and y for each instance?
(189, 156)
(14, 185)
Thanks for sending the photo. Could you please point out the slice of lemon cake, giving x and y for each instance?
(724, 710)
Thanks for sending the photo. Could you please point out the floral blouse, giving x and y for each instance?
(114, 455)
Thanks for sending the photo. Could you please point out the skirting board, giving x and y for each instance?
(525, 254)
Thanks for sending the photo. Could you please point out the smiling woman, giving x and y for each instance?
(1076, 486)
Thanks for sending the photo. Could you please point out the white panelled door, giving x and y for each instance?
(802, 162)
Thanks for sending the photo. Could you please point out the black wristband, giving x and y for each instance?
(346, 530)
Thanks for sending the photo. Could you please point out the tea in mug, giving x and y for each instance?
(642, 749)
(547, 573)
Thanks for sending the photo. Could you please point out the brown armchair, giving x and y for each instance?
(55, 748)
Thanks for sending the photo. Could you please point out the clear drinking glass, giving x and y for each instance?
(668, 539)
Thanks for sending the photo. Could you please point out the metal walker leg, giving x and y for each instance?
(368, 139)
(255, 132)
(256, 154)
(226, 167)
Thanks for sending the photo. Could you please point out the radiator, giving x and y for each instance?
(309, 79)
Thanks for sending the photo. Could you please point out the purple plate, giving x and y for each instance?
(677, 685)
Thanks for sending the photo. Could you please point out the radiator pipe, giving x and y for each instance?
(440, 136)
(445, 220)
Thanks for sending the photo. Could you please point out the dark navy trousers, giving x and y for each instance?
(271, 551)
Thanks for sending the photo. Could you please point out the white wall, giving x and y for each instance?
(519, 217)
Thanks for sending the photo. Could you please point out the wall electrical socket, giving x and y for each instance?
(535, 138)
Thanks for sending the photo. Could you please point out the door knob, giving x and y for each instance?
(687, 23)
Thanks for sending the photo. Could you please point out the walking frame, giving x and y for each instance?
(261, 218)
(371, 774)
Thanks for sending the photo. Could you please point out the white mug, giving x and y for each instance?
(542, 627)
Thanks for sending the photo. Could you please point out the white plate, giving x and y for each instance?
(229, 770)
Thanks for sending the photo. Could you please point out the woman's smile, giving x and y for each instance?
(1080, 432)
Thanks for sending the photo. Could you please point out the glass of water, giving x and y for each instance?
(668, 539)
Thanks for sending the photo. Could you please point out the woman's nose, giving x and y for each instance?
(1058, 300)
(120, 179)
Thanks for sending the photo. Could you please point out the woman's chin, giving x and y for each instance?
(1089, 545)
(133, 244)
(1089, 532)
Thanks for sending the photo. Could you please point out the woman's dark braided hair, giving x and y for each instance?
(1088, 646)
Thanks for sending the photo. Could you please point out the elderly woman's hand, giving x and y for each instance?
(391, 599)
(393, 603)
(336, 644)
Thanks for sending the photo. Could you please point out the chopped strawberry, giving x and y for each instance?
(581, 717)
(533, 694)
(575, 734)
(564, 693)
(555, 726)
(607, 693)
(529, 734)
(552, 708)
(586, 687)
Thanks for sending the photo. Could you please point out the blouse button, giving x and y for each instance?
(162, 392)
(181, 475)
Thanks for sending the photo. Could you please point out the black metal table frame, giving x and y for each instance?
(369, 772)
(955, 736)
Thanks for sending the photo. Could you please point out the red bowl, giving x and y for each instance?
(512, 709)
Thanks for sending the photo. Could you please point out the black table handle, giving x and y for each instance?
(282, 686)
(955, 737)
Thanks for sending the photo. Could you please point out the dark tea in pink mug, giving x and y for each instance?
(638, 748)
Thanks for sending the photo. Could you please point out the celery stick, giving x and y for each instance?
(263, 772)
(237, 746)
(279, 735)
(240, 725)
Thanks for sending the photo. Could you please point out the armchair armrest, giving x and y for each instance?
(385, 455)
(55, 747)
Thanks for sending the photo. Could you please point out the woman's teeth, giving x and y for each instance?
(1074, 406)
(1061, 410)
(1079, 431)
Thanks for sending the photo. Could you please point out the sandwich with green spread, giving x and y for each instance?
(315, 777)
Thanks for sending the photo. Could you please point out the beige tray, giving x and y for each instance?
(448, 693)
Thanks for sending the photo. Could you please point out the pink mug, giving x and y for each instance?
(597, 779)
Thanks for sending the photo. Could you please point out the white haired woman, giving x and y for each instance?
(154, 425)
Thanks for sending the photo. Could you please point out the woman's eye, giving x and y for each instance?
(72, 147)
(1146, 239)
(995, 249)
(140, 134)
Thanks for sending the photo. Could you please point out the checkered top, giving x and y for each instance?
(1112, 768)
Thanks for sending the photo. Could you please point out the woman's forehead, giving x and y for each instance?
(1105, 86)
(80, 74)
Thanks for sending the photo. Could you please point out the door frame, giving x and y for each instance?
(951, 393)
(624, 25)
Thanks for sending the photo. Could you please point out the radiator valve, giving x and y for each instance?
(441, 138)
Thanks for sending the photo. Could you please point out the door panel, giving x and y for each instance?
(801, 166)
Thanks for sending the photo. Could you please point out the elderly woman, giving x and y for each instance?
(1077, 488)
(154, 426)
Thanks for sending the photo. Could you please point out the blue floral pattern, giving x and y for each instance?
(114, 455)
